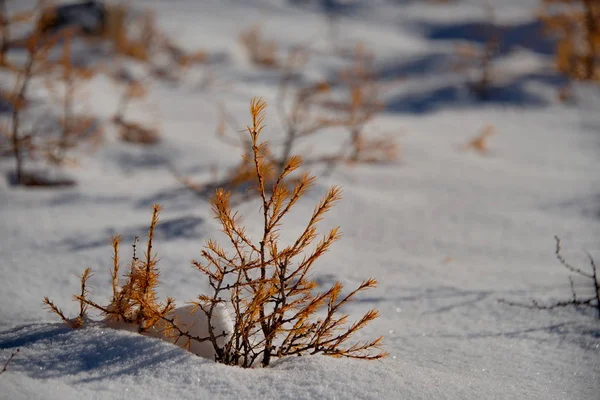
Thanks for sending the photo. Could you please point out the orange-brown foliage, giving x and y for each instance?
(576, 24)
(480, 142)
(268, 286)
(134, 303)
(261, 52)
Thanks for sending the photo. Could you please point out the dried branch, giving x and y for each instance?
(5, 367)
(575, 301)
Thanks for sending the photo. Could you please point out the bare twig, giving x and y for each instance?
(5, 368)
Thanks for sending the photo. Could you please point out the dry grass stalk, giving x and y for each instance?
(268, 286)
(10, 358)
(576, 24)
(480, 142)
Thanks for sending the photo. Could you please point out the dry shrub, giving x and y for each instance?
(130, 33)
(304, 116)
(132, 132)
(261, 52)
(128, 36)
(22, 144)
(131, 90)
(576, 25)
(182, 58)
(277, 310)
(361, 107)
(134, 303)
(304, 111)
(477, 61)
(75, 128)
(269, 286)
(239, 178)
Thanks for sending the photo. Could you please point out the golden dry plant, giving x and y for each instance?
(129, 33)
(276, 307)
(238, 178)
(361, 107)
(75, 127)
(25, 143)
(576, 25)
(304, 111)
(480, 142)
(269, 286)
(261, 52)
(132, 89)
(134, 303)
(113, 25)
(304, 116)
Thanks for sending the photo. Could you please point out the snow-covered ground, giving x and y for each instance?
(447, 232)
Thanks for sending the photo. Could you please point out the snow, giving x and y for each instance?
(446, 231)
(191, 319)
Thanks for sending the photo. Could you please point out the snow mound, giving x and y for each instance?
(192, 320)
(57, 362)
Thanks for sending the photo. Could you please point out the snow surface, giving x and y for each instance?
(191, 319)
(447, 232)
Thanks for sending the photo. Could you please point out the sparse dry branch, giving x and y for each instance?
(10, 358)
(575, 301)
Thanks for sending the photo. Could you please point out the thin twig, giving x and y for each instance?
(5, 368)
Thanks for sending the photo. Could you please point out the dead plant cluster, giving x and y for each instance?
(276, 307)
(47, 137)
(261, 51)
(349, 101)
(46, 134)
(576, 25)
(477, 61)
